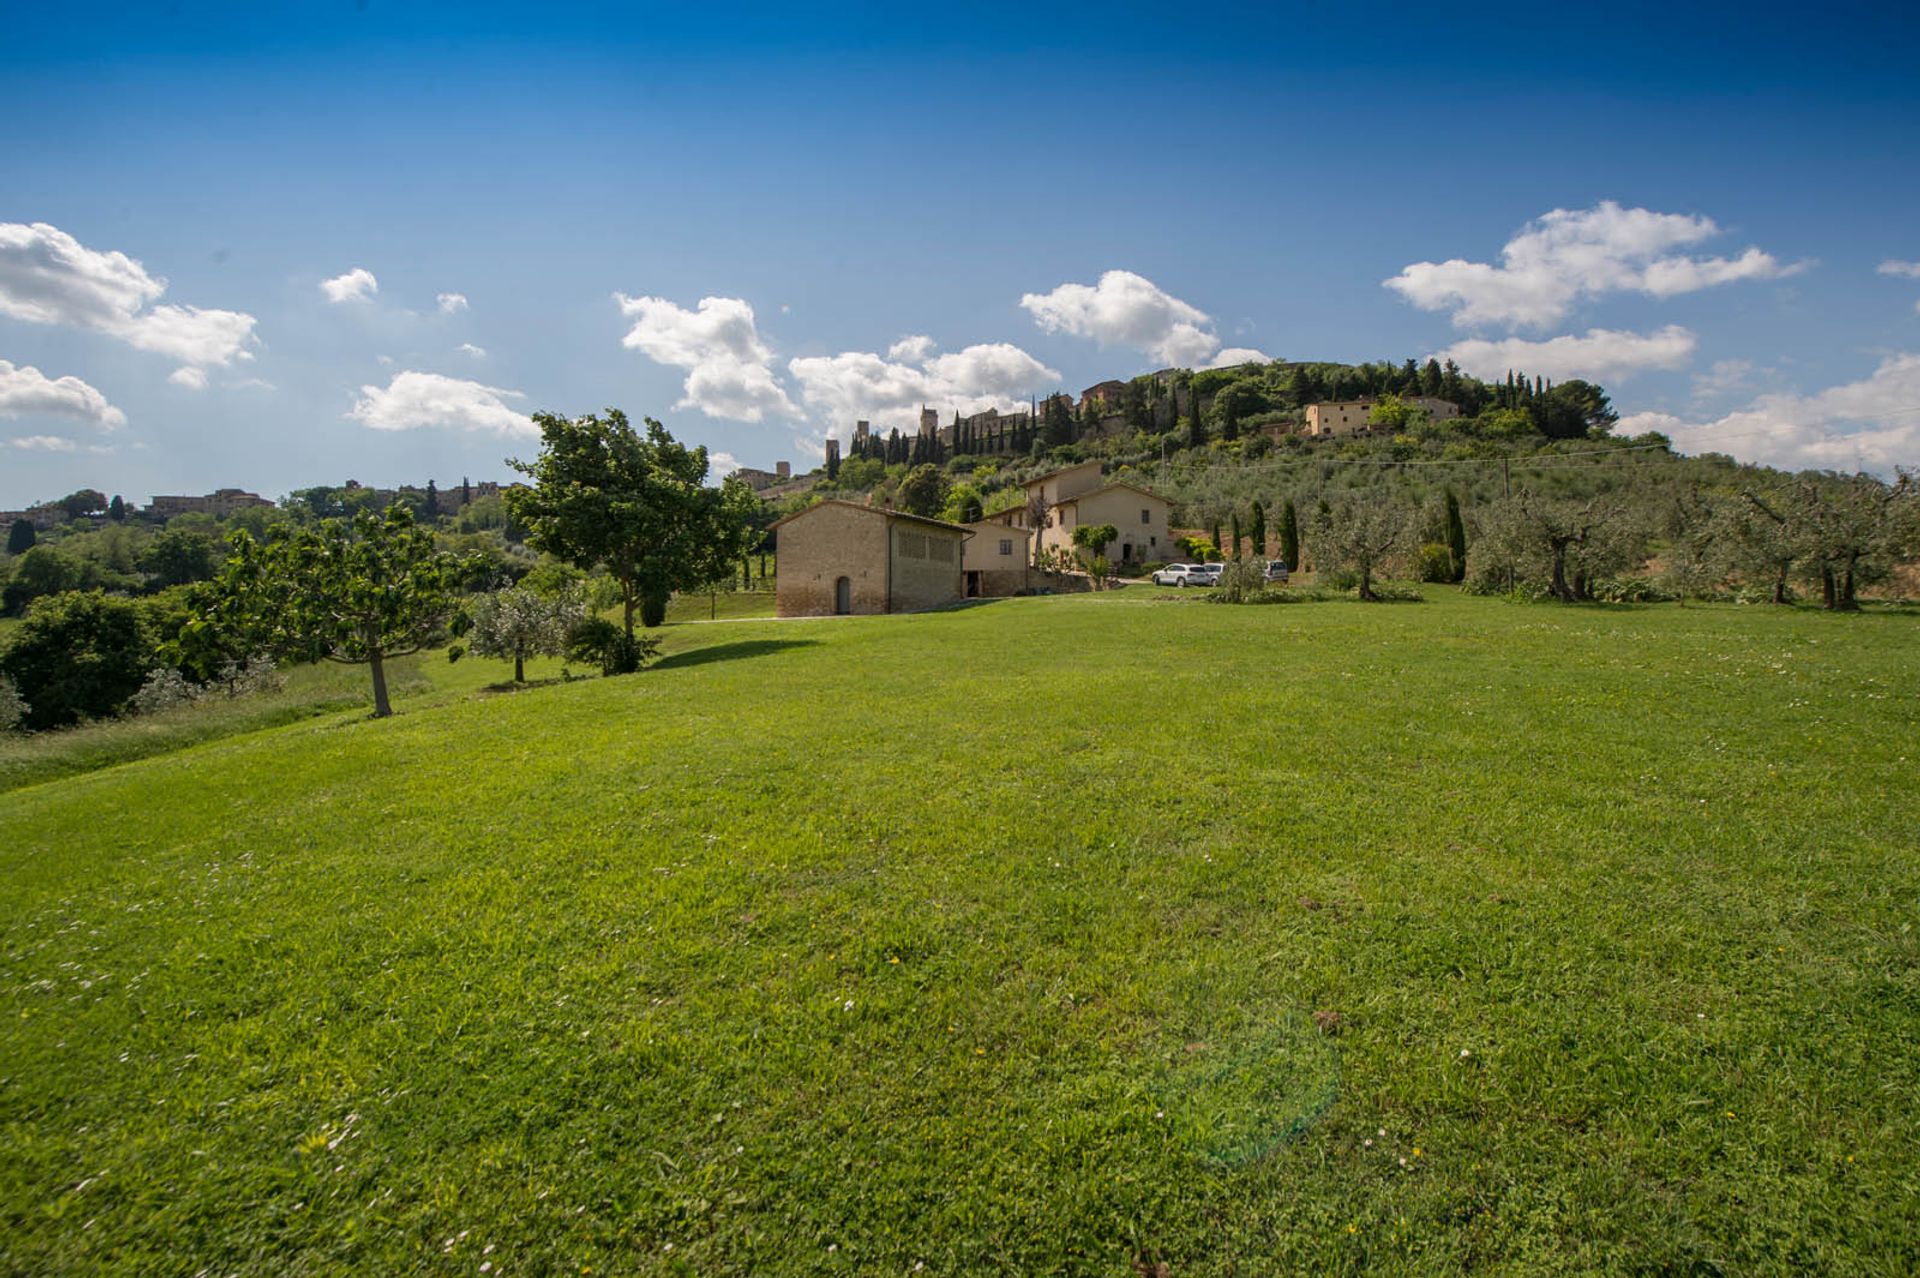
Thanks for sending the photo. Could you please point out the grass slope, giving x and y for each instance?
(988, 941)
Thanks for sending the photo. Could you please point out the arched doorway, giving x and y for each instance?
(842, 597)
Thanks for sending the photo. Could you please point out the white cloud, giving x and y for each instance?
(1236, 355)
(1125, 309)
(357, 285)
(1599, 355)
(468, 348)
(1899, 269)
(27, 392)
(43, 443)
(729, 368)
(48, 277)
(451, 302)
(1724, 378)
(912, 350)
(415, 400)
(862, 385)
(720, 465)
(191, 378)
(1569, 254)
(1871, 424)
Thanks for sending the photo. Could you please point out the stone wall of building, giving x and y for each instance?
(926, 565)
(823, 544)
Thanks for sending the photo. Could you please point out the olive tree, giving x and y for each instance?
(358, 592)
(1359, 535)
(515, 624)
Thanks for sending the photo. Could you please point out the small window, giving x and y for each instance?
(1146, 516)
(1006, 545)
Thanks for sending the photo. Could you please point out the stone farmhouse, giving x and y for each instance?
(1349, 416)
(838, 558)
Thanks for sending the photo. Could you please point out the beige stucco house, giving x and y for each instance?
(837, 557)
(995, 560)
(1074, 495)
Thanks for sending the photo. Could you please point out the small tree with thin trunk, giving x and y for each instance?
(1093, 540)
(515, 624)
(359, 593)
(1359, 535)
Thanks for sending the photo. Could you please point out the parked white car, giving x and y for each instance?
(1210, 574)
(1277, 570)
(1182, 575)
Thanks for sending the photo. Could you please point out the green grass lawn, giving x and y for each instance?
(992, 941)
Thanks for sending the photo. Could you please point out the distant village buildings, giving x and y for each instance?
(220, 503)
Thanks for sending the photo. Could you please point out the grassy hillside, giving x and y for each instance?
(993, 941)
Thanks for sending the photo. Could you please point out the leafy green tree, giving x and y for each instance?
(21, 536)
(356, 592)
(1093, 540)
(78, 655)
(117, 510)
(1257, 531)
(603, 495)
(1289, 536)
(178, 556)
(1456, 535)
(962, 505)
(87, 501)
(1573, 410)
(515, 624)
(923, 491)
(41, 571)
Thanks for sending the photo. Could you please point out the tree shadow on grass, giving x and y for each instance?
(509, 686)
(728, 652)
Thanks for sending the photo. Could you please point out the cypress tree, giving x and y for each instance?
(1236, 536)
(1216, 540)
(20, 537)
(1456, 537)
(1257, 531)
(1289, 536)
(117, 510)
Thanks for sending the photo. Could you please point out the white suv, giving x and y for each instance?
(1182, 575)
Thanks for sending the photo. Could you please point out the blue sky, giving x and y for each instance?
(1709, 211)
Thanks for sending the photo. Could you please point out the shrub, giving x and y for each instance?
(78, 656)
(13, 707)
(1632, 590)
(164, 689)
(1433, 562)
(607, 645)
(1241, 581)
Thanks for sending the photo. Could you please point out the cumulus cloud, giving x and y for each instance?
(451, 302)
(191, 378)
(48, 277)
(1870, 424)
(1900, 270)
(729, 368)
(912, 350)
(468, 348)
(861, 384)
(1236, 355)
(44, 443)
(720, 465)
(357, 285)
(27, 392)
(1570, 254)
(1599, 355)
(1125, 309)
(413, 401)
